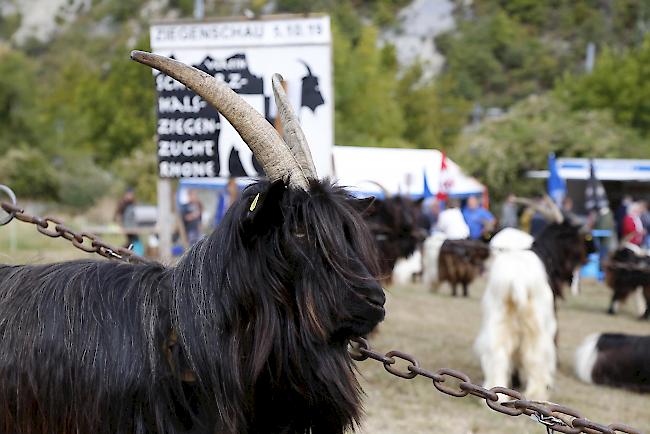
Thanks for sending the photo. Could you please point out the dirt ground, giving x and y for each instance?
(440, 330)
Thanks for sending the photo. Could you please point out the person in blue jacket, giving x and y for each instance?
(479, 220)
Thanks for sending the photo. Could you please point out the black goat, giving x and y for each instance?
(562, 247)
(247, 334)
(399, 227)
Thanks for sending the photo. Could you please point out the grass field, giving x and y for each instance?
(440, 330)
(21, 243)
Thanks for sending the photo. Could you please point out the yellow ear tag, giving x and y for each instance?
(254, 203)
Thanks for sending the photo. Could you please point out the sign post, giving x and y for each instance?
(165, 221)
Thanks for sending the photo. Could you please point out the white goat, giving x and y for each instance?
(519, 324)
(511, 239)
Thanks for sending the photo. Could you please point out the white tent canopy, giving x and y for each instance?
(399, 170)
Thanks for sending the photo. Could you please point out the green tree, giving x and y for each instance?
(366, 110)
(501, 151)
(124, 115)
(620, 82)
(105, 108)
(18, 83)
(496, 61)
(433, 115)
(29, 173)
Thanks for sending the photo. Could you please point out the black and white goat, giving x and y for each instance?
(519, 324)
(247, 334)
(615, 359)
(626, 272)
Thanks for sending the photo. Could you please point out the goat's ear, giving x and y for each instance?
(264, 210)
(364, 205)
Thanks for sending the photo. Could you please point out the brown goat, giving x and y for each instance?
(461, 261)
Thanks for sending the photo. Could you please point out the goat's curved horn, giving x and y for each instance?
(555, 210)
(293, 135)
(549, 212)
(264, 141)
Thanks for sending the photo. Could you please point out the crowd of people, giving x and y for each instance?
(633, 222)
(630, 223)
(191, 214)
(192, 211)
(472, 221)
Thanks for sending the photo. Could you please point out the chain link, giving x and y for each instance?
(53, 228)
(555, 417)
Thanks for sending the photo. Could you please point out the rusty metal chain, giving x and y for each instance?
(53, 228)
(555, 417)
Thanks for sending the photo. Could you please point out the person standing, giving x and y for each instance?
(620, 213)
(432, 212)
(479, 220)
(604, 221)
(125, 216)
(645, 221)
(192, 213)
(451, 222)
(632, 230)
(509, 213)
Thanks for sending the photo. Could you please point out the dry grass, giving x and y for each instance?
(440, 330)
(31, 247)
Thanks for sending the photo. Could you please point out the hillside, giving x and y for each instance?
(75, 107)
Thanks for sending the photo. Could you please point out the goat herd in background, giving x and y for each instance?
(525, 276)
(249, 332)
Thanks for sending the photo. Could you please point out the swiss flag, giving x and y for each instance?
(445, 182)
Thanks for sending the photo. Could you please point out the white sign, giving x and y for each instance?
(196, 141)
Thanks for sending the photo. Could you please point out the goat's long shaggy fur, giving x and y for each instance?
(247, 334)
(519, 325)
(615, 359)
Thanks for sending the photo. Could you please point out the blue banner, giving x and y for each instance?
(556, 186)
